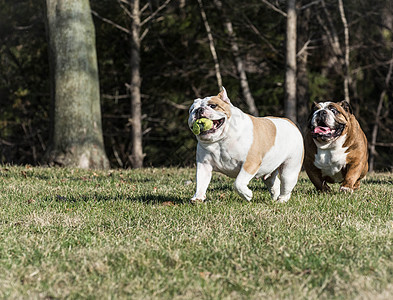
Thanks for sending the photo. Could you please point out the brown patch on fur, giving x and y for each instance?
(264, 136)
(357, 158)
(221, 105)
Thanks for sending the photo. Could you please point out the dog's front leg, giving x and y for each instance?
(203, 177)
(352, 177)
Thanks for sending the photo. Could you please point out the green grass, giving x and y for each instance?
(68, 233)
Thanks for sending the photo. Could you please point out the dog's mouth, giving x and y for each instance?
(216, 125)
(324, 132)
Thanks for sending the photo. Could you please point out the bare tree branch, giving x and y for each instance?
(239, 63)
(310, 4)
(258, 33)
(275, 8)
(211, 44)
(331, 33)
(374, 134)
(304, 48)
(153, 15)
(110, 22)
(125, 9)
(178, 106)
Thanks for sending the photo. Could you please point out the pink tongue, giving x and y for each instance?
(323, 130)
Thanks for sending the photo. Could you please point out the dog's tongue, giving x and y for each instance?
(322, 130)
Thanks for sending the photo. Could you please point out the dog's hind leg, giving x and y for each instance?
(289, 174)
(273, 184)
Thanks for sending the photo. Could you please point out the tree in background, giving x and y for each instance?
(133, 10)
(239, 63)
(290, 74)
(176, 67)
(303, 53)
(137, 154)
(76, 137)
(211, 44)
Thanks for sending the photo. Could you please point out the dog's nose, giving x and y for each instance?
(199, 111)
(323, 113)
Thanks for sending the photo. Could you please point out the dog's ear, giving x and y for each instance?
(314, 106)
(313, 109)
(223, 95)
(347, 107)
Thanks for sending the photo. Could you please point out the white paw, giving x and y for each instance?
(196, 199)
(284, 198)
(247, 196)
(275, 193)
(346, 189)
(244, 192)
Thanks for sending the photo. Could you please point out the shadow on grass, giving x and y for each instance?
(152, 199)
(387, 181)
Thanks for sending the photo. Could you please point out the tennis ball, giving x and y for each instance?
(201, 125)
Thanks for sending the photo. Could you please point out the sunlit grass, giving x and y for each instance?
(68, 233)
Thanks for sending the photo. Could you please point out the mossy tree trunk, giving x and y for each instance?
(76, 133)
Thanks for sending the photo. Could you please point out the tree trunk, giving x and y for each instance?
(346, 43)
(137, 154)
(302, 91)
(238, 61)
(340, 59)
(290, 75)
(374, 133)
(211, 44)
(76, 134)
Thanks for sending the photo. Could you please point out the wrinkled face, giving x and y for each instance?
(216, 108)
(329, 120)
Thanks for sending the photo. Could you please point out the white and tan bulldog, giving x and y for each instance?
(242, 147)
(336, 147)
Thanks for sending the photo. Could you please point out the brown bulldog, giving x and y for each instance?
(335, 146)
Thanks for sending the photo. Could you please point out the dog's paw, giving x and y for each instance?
(284, 198)
(275, 193)
(325, 188)
(243, 191)
(346, 189)
(195, 200)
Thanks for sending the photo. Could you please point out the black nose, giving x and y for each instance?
(199, 111)
(323, 113)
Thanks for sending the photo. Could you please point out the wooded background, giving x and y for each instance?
(171, 52)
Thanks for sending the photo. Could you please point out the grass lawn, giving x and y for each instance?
(69, 233)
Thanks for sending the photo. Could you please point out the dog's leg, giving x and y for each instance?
(241, 184)
(289, 173)
(315, 176)
(352, 178)
(273, 184)
(203, 177)
(356, 185)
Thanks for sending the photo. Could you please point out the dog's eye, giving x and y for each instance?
(213, 106)
(334, 111)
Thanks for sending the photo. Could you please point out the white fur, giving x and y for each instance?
(227, 151)
(331, 158)
(330, 120)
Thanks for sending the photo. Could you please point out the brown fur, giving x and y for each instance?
(221, 105)
(261, 143)
(356, 161)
